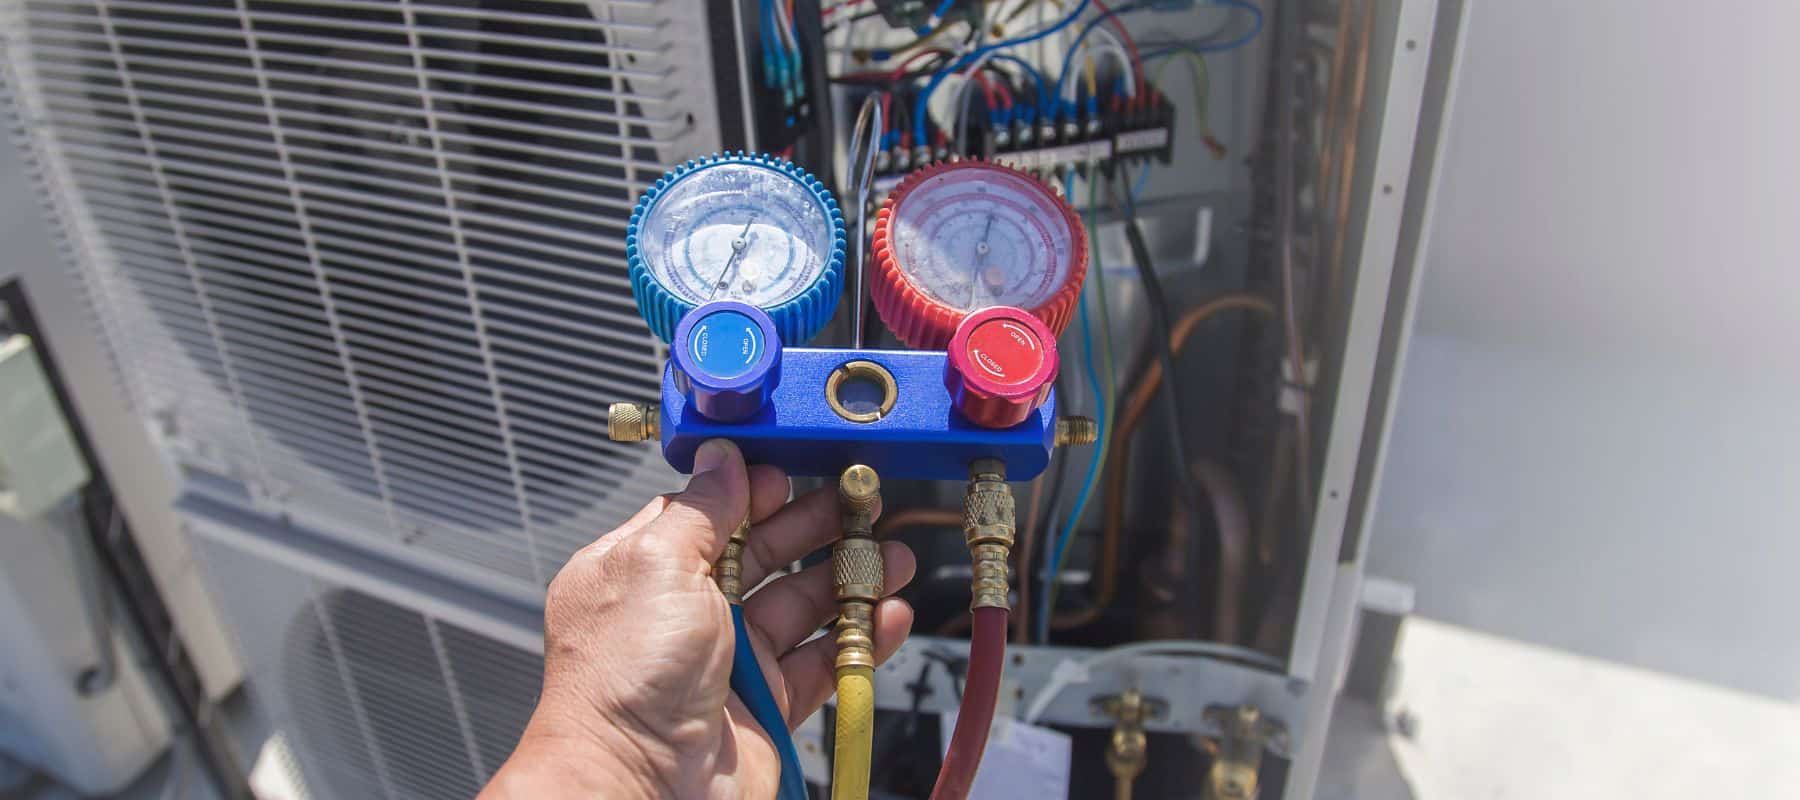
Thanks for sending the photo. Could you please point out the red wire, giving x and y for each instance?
(981, 690)
(1006, 95)
(887, 118)
(987, 90)
(1137, 63)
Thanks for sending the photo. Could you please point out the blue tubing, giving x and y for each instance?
(748, 683)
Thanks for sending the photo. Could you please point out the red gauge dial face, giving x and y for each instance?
(974, 236)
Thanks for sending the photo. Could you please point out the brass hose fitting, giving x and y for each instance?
(988, 527)
(633, 422)
(1076, 430)
(729, 571)
(1243, 733)
(856, 567)
(1128, 752)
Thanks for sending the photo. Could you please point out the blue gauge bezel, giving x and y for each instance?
(797, 319)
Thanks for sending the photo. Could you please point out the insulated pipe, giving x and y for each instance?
(1106, 572)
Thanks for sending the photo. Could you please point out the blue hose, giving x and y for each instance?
(748, 683)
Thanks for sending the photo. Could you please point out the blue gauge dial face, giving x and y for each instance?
(736, 231)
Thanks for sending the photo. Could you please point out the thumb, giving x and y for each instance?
(715, 502)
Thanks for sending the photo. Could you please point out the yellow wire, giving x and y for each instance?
(1202, 86)
(1092, 82)
(851, 757)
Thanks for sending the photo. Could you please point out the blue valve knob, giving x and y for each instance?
(727, 359)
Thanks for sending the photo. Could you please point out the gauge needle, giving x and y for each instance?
(981, 251)
(738, 246)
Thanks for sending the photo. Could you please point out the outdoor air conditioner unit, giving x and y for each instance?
(360, 267)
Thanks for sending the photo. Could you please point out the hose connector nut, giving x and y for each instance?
(729, 571)
(633, 422)
(856, 569)
(989, 529)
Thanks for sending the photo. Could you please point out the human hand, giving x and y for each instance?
(638, 643)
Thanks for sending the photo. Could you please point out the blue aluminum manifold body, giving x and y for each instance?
(921, 438)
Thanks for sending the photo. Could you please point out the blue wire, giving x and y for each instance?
(1202, 47)
(1137, 188)
(748, 683)
(1053, 561)
(768, 45)
(921, 113)
(1063, 76)
(942, 9)
(1043, 88)
(1256, 26)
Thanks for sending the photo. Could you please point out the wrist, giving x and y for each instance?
(554, 763)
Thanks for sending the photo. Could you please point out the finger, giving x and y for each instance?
(769, 491)
(809, 672)
(715, 502)
(800, 527)
(789, 609)
(650, 511)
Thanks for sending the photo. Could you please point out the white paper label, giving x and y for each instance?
(1023, 762)
(1134, 141)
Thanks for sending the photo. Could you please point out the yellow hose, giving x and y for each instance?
(855, 733)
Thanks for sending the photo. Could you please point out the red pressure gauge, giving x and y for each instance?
(961, 236)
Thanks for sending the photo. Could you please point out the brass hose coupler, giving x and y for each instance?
(988, 527)
(856, 567)
(729, 571)
(633, 422)
(1076, 430)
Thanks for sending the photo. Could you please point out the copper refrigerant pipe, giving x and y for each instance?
(1231, 515)
(1107, 572)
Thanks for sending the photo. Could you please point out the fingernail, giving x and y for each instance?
(712, 454)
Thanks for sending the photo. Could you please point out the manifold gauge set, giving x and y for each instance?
(738, 260)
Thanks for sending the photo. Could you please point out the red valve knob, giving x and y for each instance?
(923, 282)
(1002, 362)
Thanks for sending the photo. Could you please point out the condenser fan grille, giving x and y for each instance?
(366, 256)
(371, 698)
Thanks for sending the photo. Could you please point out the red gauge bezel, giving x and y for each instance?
(924, 323)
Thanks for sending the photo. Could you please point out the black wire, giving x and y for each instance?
(1052, 510)
(1159, 333)
(854, 18)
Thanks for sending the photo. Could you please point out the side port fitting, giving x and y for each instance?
(729, 571)
(1243, 734)
(988, 528)
(633, 422)
(856, 567)
(1128, 751)
(1076, 430)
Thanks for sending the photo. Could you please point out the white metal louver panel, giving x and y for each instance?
(366, 256)
(372, 699)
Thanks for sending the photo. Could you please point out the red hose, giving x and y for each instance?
(981, 691)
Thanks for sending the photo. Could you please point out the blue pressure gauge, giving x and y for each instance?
(746, 228)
